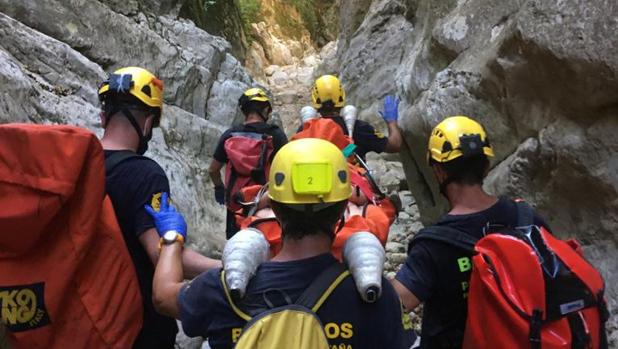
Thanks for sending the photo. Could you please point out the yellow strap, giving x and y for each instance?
(330, 290)
(238, 312)
(315, 308)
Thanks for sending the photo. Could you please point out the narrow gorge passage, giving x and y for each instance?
(541, 76)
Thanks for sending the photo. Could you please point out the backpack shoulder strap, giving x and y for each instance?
(230, 300)
(116, 158)
(447, 235)
(273, 127)
(525, 214)
(321, 288)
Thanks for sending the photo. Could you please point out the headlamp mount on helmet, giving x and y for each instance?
(471, 145)
(120, 83)
(457, 136)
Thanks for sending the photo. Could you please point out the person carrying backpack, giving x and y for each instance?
(247, 151)
(328, 97)
(132, 101)
(489, 273)
(309, 189)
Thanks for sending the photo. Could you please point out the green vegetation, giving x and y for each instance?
(207, 13)
(307, 11)
(232, 18)
(249, 12)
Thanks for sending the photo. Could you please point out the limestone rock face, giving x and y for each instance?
(540, 75)
(53, 55)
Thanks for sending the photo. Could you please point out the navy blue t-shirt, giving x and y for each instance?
(365, 136)
(349, 322)
(438, 274)
(132, 184)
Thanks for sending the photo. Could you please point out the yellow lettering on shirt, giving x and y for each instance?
(465, 285)
(341, 346)
(236, 334)
(464, 264)
(332, 330)
(155, 202)
(346, 330)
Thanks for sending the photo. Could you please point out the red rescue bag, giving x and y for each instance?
(326, 129)
(66, 278)
(375, 218)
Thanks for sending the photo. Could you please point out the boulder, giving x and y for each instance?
(279, 79)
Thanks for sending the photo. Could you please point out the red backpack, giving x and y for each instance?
(249, 155)
(529, 289)
(66, 276)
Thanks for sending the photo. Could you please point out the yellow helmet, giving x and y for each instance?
(136, 81)
(457, 136)
(254, 94)
(327, 88)
(309, 171)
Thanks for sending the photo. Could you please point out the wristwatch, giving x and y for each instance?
(170, 237)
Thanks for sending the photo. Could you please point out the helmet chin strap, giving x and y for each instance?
(143, 139)
(261, 114)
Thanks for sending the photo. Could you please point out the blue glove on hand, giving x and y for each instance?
(167, 218)
(391, 109)
(220, 194)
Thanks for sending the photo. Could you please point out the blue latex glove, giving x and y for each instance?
(220, 194)
(167, 218)
(391, 109)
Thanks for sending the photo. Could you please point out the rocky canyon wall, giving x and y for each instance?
(53, 55)
(540, 75)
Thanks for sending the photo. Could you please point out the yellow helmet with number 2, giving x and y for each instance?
(457, 136)
(309, 171)
(327, 88)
